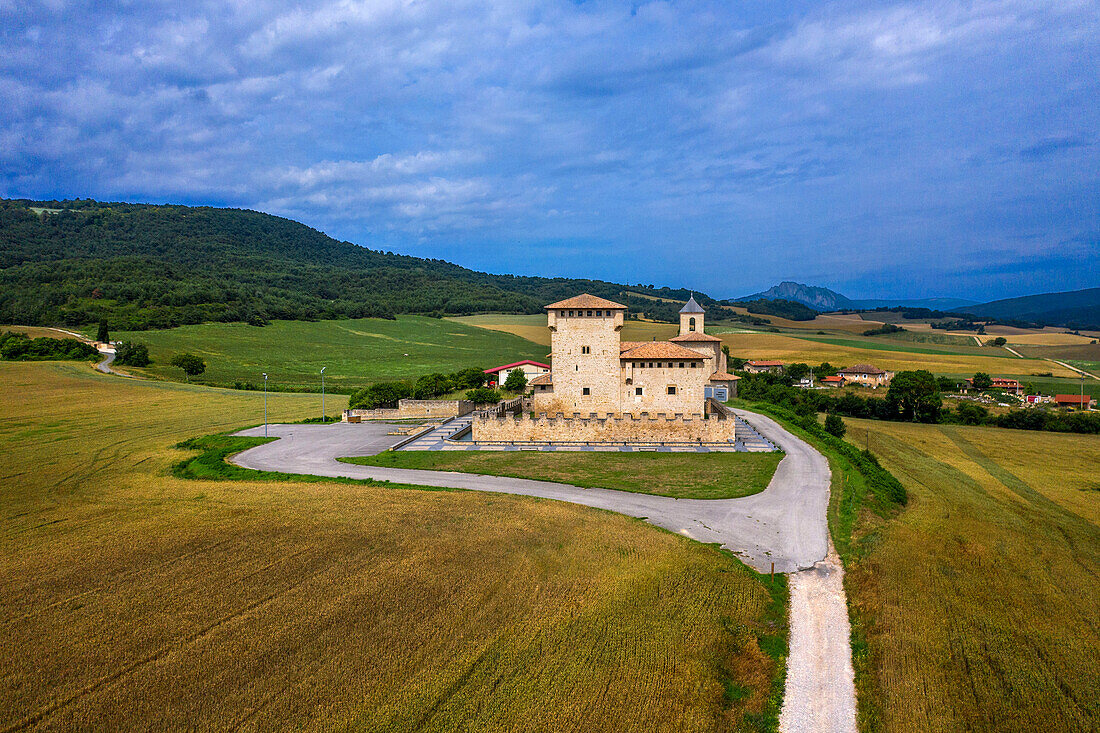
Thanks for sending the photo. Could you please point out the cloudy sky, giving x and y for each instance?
(884, 149)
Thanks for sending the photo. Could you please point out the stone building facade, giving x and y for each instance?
(602, 386)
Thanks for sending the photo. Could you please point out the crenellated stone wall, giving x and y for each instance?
(605, 428)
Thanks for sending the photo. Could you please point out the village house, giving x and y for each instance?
(1001, 383)
(867, 375)
(759, 367)
(647, 390)
(1076, 401)
(832, 381)
(531, 369)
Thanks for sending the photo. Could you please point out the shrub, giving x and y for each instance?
(20, 347)
(834, 425)
(981, 380)
(381, 394)
(483, 395)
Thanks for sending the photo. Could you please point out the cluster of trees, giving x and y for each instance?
(429, 386)
(883, 330)
(914, 396)
(21, 347)
(191, 364)
(788, 309)
(145, 266)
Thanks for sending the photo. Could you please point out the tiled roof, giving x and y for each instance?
(836, 378)
(691, 306)
(861, 369)
(542, 379)
(723, 377)
(628, 345)
(585, 300)
(1073, 399)
(660, 350)
(494, 370)
(696, 336)
(764, 363)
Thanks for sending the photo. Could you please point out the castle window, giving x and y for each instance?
(638, 391)
(681, 365)
(586, 349)
(599, 314)
(691, 324)
(586, 391)
(589, 314)
(672, 389)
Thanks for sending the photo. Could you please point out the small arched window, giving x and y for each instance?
(691, 323)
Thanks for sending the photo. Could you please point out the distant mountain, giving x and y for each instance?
(823, 299)
(820, 299)
(1073, 309)
(936, 304)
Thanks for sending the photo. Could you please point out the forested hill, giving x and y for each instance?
(144, 266)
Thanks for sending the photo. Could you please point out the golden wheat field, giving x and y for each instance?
(884, 354)
(135, 600)
(980, 601)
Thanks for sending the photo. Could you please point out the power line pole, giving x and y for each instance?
(265, 404)
(323, 416)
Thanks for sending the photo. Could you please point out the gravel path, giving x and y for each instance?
(820, 693)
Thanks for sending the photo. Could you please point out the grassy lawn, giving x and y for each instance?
(978, 603)
(355, 352)
(136, 599)
(680, 475)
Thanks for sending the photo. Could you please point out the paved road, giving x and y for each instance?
(105, 365)
(784, 524)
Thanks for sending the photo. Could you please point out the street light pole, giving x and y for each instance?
(265, 404)
(323, 416)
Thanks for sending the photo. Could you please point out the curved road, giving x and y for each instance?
(784, 524)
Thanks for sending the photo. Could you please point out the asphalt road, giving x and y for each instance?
(784, 524)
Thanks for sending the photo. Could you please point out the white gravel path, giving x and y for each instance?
(820, 695)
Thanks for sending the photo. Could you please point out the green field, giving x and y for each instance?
(977, 605)
(681, 475)
(355, 352)
(136, 600)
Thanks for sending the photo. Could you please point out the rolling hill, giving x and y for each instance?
(824, 300)
(1074, 308)
(150, 266)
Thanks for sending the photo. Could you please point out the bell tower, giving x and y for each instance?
(691, 318)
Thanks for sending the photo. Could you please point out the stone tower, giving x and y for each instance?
(584, 340)
(691, 317)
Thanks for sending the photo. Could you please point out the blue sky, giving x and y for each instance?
(882, 149)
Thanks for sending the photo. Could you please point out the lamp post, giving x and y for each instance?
(323, 395)
(265, 404)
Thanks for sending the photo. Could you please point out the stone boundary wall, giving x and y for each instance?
(615, 428)
(413, 409)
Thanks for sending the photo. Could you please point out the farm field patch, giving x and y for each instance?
(134, 599)
(356, 352)
(978, 602)
(680, 475)
(790, 348)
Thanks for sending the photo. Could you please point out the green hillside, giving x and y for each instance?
(143, 266)
(356, 352)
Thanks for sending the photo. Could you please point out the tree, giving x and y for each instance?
(516, 381)
(131, 353)
(946, 384)
(102, 336)
(982, 380)
(483, 395)
(191, 364)
(834, 425)
(999, 341)
(432, 385)
(797, 370)
(469, 378)
(914, 396)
